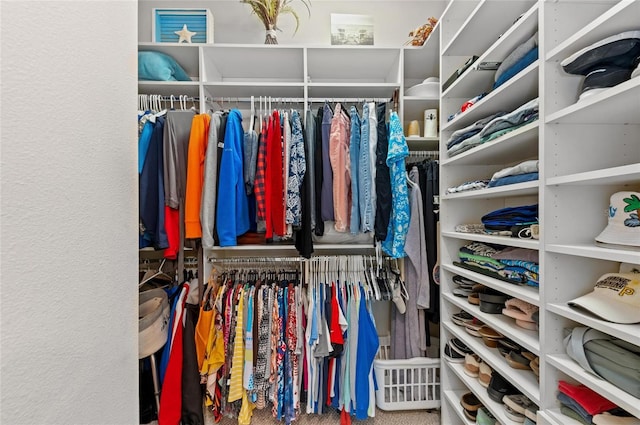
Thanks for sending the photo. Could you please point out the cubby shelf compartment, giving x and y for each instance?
(620, 17)
(519, 90)
(498, 240)
(238, 89)
(525, 293)
(521, 143)
(630, 333)
(454, 397)
(474, 79)
(617, 105)
(466, 40)
(423, 143)
(518, 189)
(503, 324)
(524, 380)
(565, 364)
(607, 176)
(595, 251)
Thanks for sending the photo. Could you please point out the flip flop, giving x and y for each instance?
(518, 361)
(472, 365)
(517, 402)
(470, 402)
(484, 374)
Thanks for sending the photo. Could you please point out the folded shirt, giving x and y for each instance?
(471, 185)
(479, 248)
(575, 406)
(516, 55)
(511, 119)
(592, 402)
(457, 135)
(530, 57)
(530, 166)
(505, 218)
(513, 253)
(520, 178)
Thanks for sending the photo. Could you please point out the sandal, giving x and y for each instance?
(517, 402)
(470, 402)
(518, 361)
(484, 374)
(535, 366)
(460, 318)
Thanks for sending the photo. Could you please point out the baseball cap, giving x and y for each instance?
(616, 298)
(621, 50)
(623, 227)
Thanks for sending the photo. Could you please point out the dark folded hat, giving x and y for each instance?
(603, 77)
(620, 50)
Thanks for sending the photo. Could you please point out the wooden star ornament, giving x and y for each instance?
(185, 34)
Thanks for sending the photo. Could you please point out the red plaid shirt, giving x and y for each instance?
(259, 183)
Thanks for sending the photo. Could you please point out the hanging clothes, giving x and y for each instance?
(195, 175)
(398, 224)
(232, 214)
(354, 155)
(210, 184)
(339, 138)
(274, 175)
(383, 200)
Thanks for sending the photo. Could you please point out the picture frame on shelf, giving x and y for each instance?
(182, 25)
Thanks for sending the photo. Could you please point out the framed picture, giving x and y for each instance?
(351, 29)
(182, 26)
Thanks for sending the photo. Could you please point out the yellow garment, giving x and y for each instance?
(246, 411)
(214, 353)
(236, 389)
(203, 329)
(195, 174)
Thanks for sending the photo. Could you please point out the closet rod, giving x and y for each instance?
(260, 260)
(279, 99)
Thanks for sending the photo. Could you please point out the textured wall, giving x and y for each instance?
(68, 211)
(234, 23)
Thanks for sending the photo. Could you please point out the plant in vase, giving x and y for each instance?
(268, 12)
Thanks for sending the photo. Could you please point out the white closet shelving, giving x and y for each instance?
(474, 29)
(588, 150)
(591, 150)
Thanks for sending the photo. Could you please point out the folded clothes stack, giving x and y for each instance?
(513, 219)
(520, 58)
(491, 128)
(522, 172)
(513, 265)
(605, 63)
(588, 407)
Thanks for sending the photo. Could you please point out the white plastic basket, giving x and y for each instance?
(410, 384)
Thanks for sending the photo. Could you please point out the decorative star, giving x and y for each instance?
(185, 34)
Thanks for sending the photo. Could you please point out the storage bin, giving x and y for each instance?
(410, 384)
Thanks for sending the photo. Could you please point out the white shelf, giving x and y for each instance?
(525, 293)
(363, 90)
(615, 175)
(247, 89)
(595, 251)
(565, 364)
(467, 41)
(499, 240)
(621, 17)
(518, 189)
(617, 105)
(556, 417)
(414, 108)
(503, 324)
(519, 144)
(454, 397)
(629, 333)
(423, 143)
(517, 91)
(185, 54)
(423, 61)
(168, 88)
(524, 380)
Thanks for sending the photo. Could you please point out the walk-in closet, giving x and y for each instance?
(378, 212)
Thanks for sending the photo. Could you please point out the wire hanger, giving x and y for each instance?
(158, 274)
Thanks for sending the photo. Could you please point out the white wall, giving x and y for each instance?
(69, 213)
(234, 22)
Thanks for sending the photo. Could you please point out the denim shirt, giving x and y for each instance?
(354, 154)
(399, 221)
(364, 175)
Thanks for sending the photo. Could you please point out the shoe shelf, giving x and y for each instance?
(501, 323)
(521, 143)
(630, 333)
(524, 380)
(566, 365)
(474, 386)
(525, 293)
(512, 94)
(618, 18)
(615, 105)
(499, 240)
(453, 398)
(518, 189)
(591, 250)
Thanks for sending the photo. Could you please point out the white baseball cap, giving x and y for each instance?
(616, 298)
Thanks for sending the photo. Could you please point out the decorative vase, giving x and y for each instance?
(271, 36)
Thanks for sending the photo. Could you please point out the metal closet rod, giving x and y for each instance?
(280, 99)
(261, 260)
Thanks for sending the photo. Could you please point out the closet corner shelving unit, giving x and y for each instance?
(587, 150)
